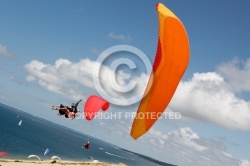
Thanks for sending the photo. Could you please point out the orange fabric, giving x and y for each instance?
(170, 63)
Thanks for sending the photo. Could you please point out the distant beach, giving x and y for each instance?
(6, 162)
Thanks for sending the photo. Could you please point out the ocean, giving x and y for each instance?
(35, 135)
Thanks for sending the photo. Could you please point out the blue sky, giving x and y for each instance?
(213, 96)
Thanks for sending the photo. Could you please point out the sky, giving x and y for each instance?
(50, 51)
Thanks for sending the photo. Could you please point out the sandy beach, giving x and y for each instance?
(6, 162)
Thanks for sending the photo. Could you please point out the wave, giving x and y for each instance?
(118, 156)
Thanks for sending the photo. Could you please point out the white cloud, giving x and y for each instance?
(237, 74)
(227, 154)
(181, 146)
(185, 147)
(186, 137)
(121, 37)
(69, 79)
(64, 77)
(30, 78)
(208, 97)
(161, 137)
(4, 51)
(244, 163)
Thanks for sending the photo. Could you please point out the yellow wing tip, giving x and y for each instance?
(162, 9)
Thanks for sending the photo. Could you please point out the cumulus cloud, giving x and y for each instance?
(237, 74)
(208, 97)
(4, 51)
(186, 147)
(183, 146)
(186, 137)
(121, 37)
(67, 78)
(64, 77)
(161, 137)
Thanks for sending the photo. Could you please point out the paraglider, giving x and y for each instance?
(34, 156)
(4, 153)
(68, 111)
(170, 63)
(91, 108)
(86, 146)
(46, 152)
(91, 158)
(93, 105)
(55, 157)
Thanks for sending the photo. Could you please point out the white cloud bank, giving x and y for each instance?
(209, 97)
(58, 78)
(182, 146)
(69, 79)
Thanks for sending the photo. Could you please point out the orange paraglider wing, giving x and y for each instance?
(93, 105)
(170, 63)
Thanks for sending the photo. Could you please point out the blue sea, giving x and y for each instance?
(35, 135)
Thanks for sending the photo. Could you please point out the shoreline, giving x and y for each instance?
(18, 162)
